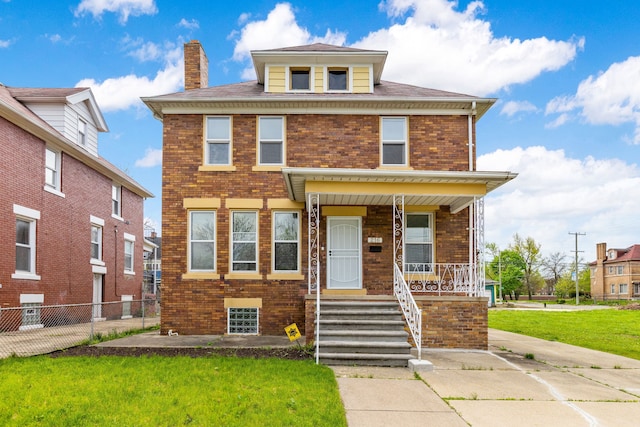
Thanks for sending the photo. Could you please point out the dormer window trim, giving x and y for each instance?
(290, 82)
(348, 78)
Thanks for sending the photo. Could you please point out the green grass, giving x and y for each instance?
(612, 331)
(164, 391)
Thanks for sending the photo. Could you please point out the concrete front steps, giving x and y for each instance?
(363, 333)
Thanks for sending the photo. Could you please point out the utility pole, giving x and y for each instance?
(576, 234)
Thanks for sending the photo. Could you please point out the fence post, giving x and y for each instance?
(142, 311)
(92, 320)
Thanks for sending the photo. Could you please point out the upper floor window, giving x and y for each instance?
(52, 169)
(419, 242)
(25, 266)
(218, 147)
(202, 241)
(394, 141)
(338, 78)
(96, 242)
(116, 200)
(286, 245)
(244, 241)
(82, 132)
(271, 140)
(299, 78)
(620, 269)
(129, 245)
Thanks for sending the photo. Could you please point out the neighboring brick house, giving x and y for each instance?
(303, 179)
(71, 222)
(615, 274)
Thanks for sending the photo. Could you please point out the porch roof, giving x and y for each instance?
(362, 187)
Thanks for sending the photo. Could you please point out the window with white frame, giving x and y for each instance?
(52, 169)
(116, 200)
(242, 320)
(624, 288)
(129, 246)
(620, 269)
(244, 241)
(613, 288)
(202, 241)
(82, 132)
(299, 78)
(25, 245)
(337, 79)
(636, 288)
(96, 242)
(218, 147)
(286, 242)
(418, 238)
(394, 141)
(271, 140)
(610, 270)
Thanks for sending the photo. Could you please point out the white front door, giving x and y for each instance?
(344, 256)
(97, 296)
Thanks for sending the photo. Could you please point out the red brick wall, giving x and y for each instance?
(63, 233)
(335, 141)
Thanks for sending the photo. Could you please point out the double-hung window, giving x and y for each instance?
(25, 266)
(116, 200)
(202, 241)
(129, 245)
(271, 140)
(218, 145)
(52, 169)
(82, 132)
(244, 241)
(96, 242)
(286, 242)
(418, 242)
(394, 141)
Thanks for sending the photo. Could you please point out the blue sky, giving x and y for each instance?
(566, 75)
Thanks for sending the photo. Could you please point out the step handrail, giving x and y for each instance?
(412, 313)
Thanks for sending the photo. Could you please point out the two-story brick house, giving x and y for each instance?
(615, 274)
(71, 223)
(319, 176)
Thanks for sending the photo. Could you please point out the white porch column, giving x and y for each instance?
(313, 212)
(479, 246)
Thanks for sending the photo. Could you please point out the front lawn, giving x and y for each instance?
(613, 331)
(167, 391)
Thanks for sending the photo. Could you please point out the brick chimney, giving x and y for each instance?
(597, 278)
(196, 66)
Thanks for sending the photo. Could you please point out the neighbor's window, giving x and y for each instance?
(271, 135)
(129, 245)
(82, 132)
(242, 320)
(202, 241)
(620, 269)
(218, 150)
(96, 242)
(116, 200)
(286, 245)
(337, 79)
(418, 242)
(613, 288)
(394, 141)
(52, 169)
(25, 245)
(624, 288)
(299, 78)
(244, 241)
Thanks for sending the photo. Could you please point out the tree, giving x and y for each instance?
(510, 266)
(554, 266)
(529, 251)
(566, 286)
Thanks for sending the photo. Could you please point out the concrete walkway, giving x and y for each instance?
(562, 385)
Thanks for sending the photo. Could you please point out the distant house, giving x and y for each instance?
(320, 177)
(615, 274)
(152, 262)
(72, 223)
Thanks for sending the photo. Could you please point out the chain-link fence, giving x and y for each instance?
(38, 329)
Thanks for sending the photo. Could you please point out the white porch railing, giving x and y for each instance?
(412, 313)
(442, 278)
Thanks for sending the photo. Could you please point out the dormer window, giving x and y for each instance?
(337, 78)
(82, 132)
(299, 78)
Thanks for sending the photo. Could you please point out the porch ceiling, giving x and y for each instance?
(362, 187)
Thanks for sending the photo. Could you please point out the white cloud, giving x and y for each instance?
(511, 108)
(4, 43)
(190, 25)
(54, 38)
(152, 157)
(147, 51)
(612, 97)
(555, 194)
(457, 51)
(124, 8)
(279, 29)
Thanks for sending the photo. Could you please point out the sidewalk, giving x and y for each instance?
(563, 386)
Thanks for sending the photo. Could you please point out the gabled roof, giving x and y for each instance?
(319, 53)
(62, 95)
(17, 113)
